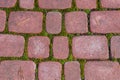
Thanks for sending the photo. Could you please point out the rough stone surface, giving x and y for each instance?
(2, 20)
(50, 71)
(105, 22)
(102, 70)
(90, 47)
(11, 45)
(7, 3)
(110, 3)
(76, 22)
(86, 4)
(38, 47)
(27, 4)
(17, 70)
(25, 22)
(55, 4)
(72, 70)
(115, 46)
(53, 22)
(60, 47)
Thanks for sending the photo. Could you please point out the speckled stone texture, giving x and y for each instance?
(11, 45)
(2, 20)
(25, 22)
(90, 47)
(38, 47)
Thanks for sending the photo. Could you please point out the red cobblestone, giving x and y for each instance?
(2, 20)
(17, 70)
(55, 4)
(115, 47)
(86, 4)
(53, 22)
(72, 70)
(90, 47)
(50, 71)
(11, 45)
(38, 47)
(110, 3)
(105, 22)
(25, 22)
(76, 22)
(27, 4)
(60, 47)
(102, 70)
(7, 3)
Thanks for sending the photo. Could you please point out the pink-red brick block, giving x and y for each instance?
(86, 4)
(102, 70)
(11, 45)
(25, 22)
(115, 46)
(72, 70)
(38, 47)
(110, 3)
(2, 20)
(17, 70)
(27, 4)
(7, 3)
(53, 22)
(60, 47)
(55, 4)
(90, 47)
(105, 22)
(49, 71)
(76, 22)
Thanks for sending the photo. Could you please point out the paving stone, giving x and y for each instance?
(11, 45)
(60, 47)
(86, 4)
(38, 47)
(2, 20)
(55, 4)
(27, 4)
(72, 70)
(7, 3)
(25, 22)
(90, 47)
(53, 22)
(76, 22)
(17, 70)
(110, 3)
(102, 70)
(105, 22)
(115, 46)
(50, 71)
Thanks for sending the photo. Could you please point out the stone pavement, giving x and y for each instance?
(59, 39)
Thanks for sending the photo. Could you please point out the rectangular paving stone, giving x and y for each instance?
(11, 45)
(105, 22)
(72, 70)
(2, 20)
(17, 70)
(27, 4)
(53, 22)
(50, 71)
(110, 3)
(102, 70)
(76, 22)
(7, 3)
(86, 4)
(55, 4)
(60, 47)
(25, 22)
(90, 47)
(115, 46)
(38, 47)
